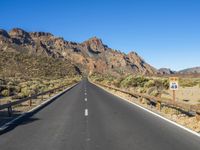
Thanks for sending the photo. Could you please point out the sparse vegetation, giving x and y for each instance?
(17, 88)
(186, 82)
(23, 74)
(140, 84)
(5, 93)
(23, 65)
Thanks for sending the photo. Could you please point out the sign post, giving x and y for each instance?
(173, 85)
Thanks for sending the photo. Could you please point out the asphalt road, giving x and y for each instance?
(100, 122)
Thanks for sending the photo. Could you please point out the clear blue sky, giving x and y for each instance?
(166, 33)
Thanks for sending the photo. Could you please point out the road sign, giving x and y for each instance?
(173, 83)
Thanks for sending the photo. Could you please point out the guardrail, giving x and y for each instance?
(188, 109)
(30, 98)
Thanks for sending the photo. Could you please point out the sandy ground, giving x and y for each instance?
(189, 95)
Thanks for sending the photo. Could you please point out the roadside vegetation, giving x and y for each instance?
(189, 88)
(187, 95)
(189, 82)
(23, 75)
(140, 84)
(17, 88)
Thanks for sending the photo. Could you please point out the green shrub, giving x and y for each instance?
(26, 91)
(127, 81)
(165, 83)
(149, 84)
(189, 82)
(141, 90)
(5, 93)
(154, 93)
(131, 81)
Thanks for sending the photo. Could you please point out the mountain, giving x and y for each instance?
(89, 56)
(194, 70)
(165, 71)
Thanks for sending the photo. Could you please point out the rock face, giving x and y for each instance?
(90, 56)
(166, 71)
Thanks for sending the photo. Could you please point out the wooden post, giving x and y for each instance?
(140, 99)
(30, 102)
(174, 95)
(197, 117)
(10, 111)
(49, 94)
(158, 106)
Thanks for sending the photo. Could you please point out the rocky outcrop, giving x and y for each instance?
(165, 71)
(90, 56)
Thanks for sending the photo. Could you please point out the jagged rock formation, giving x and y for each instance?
(165, 71)
(90, 56)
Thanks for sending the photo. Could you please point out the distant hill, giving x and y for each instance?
(190, 70)
(88, 57)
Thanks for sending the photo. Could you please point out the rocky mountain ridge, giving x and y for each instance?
(194, 70)
(165, 71)
(89, 56)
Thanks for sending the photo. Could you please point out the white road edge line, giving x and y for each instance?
(157, 115)
(86, 112)
(35, 108)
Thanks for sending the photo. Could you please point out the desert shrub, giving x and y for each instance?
(189, 82)
(26, 91)
(127, 81)
(141, 90)
(155, 93)
(165, 83)
(2, 82)
(117, 82)
(149, 84)
(99, 79)
(159, 84)
(17, 89)
(131, 81)
(139, 81)
(5, 93)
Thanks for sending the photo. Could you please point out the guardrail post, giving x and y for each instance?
(30, 102)
(10, 111)
(158, 106)
(140, 99)
(197, 117)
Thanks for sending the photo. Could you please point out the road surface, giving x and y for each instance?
(88, 118)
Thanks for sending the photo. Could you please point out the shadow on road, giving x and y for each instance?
(25, 118)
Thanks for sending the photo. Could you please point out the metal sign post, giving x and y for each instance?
(173, 85)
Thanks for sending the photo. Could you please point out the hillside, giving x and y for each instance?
(195, 70)
(16, 64)
(89, 56)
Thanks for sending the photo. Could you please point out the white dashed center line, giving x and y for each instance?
(86, 112)
(85, 93)
(86, 99)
